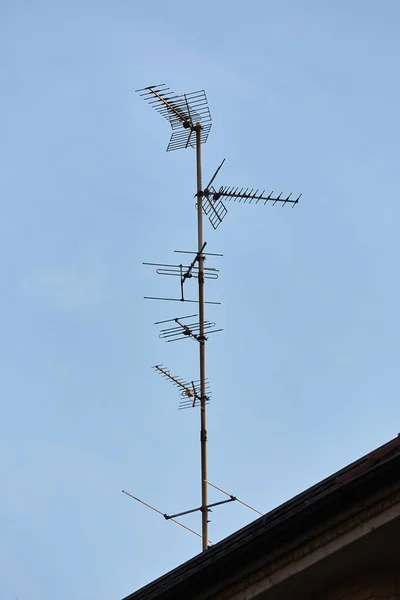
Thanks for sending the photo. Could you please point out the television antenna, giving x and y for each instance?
(190, 120)
(181, 331)
(167, 517)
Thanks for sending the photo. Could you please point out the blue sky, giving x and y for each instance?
(304, 97)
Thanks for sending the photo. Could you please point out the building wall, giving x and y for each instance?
(376, 586)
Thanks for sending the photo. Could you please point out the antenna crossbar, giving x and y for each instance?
(173, 320)
(178, 299)
(204, 253)
(199, 508)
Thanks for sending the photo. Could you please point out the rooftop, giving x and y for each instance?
(377, 470)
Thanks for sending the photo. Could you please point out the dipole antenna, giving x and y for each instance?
(190, 120)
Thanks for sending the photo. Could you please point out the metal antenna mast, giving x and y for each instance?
(202, 345)
(190, 120)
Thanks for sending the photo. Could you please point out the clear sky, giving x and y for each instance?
(304, 97)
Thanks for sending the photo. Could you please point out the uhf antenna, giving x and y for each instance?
(181, 331)
(190, 120)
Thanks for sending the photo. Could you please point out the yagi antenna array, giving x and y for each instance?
(190, 121)
(184, 331)
(190, 390)
(216, 210)
(183, 113)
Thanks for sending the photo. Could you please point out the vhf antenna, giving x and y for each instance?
(190, 120)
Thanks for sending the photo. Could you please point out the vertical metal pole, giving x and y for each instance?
(202, 345)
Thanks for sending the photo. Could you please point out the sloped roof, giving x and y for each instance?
(377, 469)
